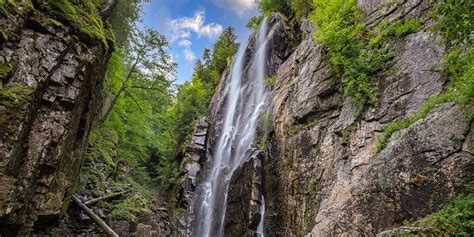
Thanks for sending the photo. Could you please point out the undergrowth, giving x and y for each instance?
(130, 208)
(455, 219)
(7, 69)
(15, 94)
(355, 55)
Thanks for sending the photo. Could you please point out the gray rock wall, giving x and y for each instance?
(322, 174)
(45, 123)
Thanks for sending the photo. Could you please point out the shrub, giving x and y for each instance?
(271, 80)
(301, 8)
(254, 23)
(282, 6)
(399, 28)
(455, 219)
(352, 56)
(454, 21)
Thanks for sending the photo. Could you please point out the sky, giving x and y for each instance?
(192, 25)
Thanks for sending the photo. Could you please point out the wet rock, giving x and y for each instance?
(194, 159)
(45, 129)
(244, 198)
(323, 174)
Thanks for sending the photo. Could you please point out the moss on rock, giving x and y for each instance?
(7, 69)
(82, 15)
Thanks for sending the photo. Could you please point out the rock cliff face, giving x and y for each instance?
(51, 85)
(322, 173)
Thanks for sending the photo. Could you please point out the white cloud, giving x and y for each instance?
(240, 7)
(189, 55)
(185, 43)
(182, 28)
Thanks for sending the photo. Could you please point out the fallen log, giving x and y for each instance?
(107, 230)
(107, 196)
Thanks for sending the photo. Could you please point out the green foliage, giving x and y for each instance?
(454, 21)
(282, 6)
(55, 23)
(455, 219)
(8, 8)
(189, 107)
(138, 125)
(82, 15)
(254, 23)
(123, 19)
(3, 37)
(104, 142)
(7, 69)
(399, 28)
(352, 55)
(224, 49)
(15, 94)
(271, 80)
(290, 8)
(301, 8)
(459, 68)
(5, 7)
(130, 208)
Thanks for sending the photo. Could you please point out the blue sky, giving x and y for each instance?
(192, 25)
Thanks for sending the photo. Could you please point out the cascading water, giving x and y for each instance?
(245, 98)
(260, 227)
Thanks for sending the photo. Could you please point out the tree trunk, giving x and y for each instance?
(107, 196)
(107, 230)
(119, 92)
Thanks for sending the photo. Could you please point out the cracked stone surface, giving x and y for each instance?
(322, 174)
(43, 135)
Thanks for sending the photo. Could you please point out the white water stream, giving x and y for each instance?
(245, 99)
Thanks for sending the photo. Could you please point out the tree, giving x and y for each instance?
(190, 106)
(123, 19)
(224, 49)
(301, 8)
(254, 23)
(282, 6)
(149, 60)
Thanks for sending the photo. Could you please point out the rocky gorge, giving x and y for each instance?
(317, 162)
(284, 150)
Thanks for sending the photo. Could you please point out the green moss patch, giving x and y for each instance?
(130, 208)
(7, 69)
(8, 8)
(15, 94)
(14, 100)
(82, 15)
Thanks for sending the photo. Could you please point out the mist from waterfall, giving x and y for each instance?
(245, 98)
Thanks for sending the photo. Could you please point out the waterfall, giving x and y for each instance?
(260, 229)
(245, 98)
